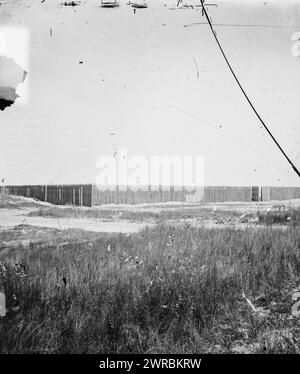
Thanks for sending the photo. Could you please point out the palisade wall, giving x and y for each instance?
(72, 194)
(207, 194)
(92, 195)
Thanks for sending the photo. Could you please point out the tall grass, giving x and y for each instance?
(163, 290)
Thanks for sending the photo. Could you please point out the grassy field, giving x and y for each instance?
(159, 291)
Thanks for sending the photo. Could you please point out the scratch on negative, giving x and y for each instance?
(196, 67)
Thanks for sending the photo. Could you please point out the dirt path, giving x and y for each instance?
(15, 217)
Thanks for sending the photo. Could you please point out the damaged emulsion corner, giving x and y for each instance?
(11, 75)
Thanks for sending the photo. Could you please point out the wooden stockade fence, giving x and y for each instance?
(280, 193)
(142, 195)
(139, 195)
(74, 194)
(92, 195)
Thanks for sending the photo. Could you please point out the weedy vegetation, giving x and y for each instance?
(162, 290)
(283, 217)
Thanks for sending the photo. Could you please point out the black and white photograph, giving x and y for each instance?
(149, 180)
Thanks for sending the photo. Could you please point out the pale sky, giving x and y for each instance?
(137, 69)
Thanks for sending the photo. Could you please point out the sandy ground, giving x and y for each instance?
(13, 217)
